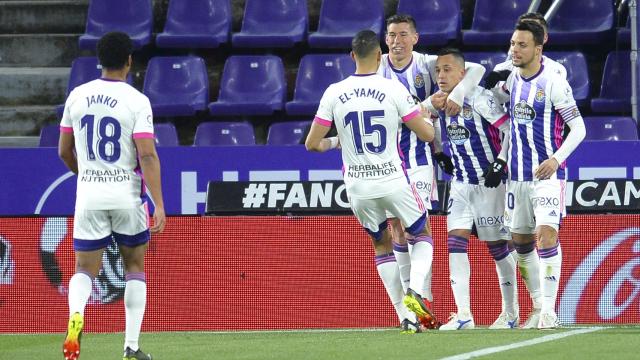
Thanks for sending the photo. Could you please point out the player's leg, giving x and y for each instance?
(368, 211)
(401, 251)
(130, 230)
(506, 270)
(548, 211)
(520, 220)
(91, 234)
(459, 224)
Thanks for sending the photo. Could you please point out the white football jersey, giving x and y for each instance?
(548, 63)
(367, 111)
(105, 116)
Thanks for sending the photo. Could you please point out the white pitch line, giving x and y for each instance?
(540, 340)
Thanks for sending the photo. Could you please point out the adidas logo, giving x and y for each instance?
(508, 283)
(503, 230)
(453, 282)
(553, 213)
(550, 278)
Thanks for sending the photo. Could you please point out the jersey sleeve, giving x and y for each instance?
(143, 120)
(562, 100)
(66, 125)
(324, 115)
(407, 107)
(489, 108)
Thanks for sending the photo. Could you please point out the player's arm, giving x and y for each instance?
(316, 140)
(487, 107)
(472, 76)
(562, 100)
(150, 165)
(66, 147)
(419, 125)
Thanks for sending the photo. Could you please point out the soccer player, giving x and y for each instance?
(501, 71)
(367, 110)
(474, 137)
(541, 103)
(415, 72)
(106, 137)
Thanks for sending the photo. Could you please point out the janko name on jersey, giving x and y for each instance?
(102, 100)
(362, 92)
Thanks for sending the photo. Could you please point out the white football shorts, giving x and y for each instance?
(529, 204)
(427, 189)
(92, 229)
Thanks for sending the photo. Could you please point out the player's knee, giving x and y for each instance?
(547, 236)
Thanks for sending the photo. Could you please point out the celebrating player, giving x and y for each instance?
(367, 110)
(106, 138)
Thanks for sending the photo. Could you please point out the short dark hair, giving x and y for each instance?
(402, 18)
(537, 17)
(457, 54)
(364, 43)
(114, 49)
(534, 28)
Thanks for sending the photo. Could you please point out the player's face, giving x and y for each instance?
(524, 49)
(400, 39)
(449, 72)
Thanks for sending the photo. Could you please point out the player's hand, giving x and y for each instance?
(494, 77)
(493, 173)
(547, 169)
(439, 100)
(451, 108)
(444, 162)
(159, 220)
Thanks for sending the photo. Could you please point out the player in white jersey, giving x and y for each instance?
(541, 103)
(106, 138)
(474, 142)
(502, 70)
(367, 110)
(415, 71)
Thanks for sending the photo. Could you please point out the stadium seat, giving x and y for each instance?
(315, 73)
(340, 20)
(49, 135)
(83, 70)
(272, 24)
(493, 21)
(624, 34)
(487, 59)
(582, 22)
(251, 85)
(438, 20)
(133, 17)
(166, 134)
(287, 133)
(615, 91)
(196, 24)
(177, 85)
(610, 128)
(577, 73)
(224, 133)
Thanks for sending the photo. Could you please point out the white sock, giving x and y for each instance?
(421, 260)
(506, 269)
(390, 275)
(550, 267)
(426, 288)
(529, 265)
(459, 274)
(403, 259)
(135, 301)
(80, 286)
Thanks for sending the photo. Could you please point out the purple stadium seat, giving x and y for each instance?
(166, 134)
(582, 22)
(49, 135)
(615, 91)
(624, 34)
(493, 21)
(315, 74)
(577, 73)
(610, 128)
(196, 24)
(133, 17)
(279, 24)
(224, 133)
(487, 59)
(438, 20)
(287, 133)
(177, 85)
(251, 85)
(340, 20)
(83, 70)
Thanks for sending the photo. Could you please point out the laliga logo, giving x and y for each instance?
(608, 307)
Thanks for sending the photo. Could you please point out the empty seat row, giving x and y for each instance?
(209, 134)
(207, 23)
